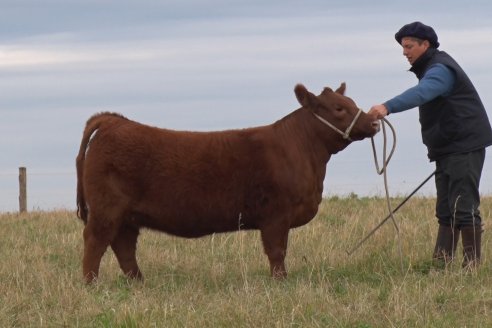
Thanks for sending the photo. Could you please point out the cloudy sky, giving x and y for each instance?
(214, 65)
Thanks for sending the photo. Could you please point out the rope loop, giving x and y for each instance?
(383, 171)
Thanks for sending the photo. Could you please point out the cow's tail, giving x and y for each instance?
(92, 125)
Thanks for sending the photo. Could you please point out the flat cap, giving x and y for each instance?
(418, 30)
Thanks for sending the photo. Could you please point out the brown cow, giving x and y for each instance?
(191, 184)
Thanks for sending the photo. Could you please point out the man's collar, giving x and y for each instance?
(423, 59)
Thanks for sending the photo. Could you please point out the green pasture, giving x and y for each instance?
(223, 280)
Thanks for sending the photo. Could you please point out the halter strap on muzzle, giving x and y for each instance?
(346, 134)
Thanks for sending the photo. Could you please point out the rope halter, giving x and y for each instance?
(346, 134)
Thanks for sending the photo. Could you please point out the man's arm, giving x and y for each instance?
(437, 81)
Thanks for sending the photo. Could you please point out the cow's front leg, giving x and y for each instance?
(274, 238)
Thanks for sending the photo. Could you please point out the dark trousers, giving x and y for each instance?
(457, 183)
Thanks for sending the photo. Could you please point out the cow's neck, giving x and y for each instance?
(316, 141)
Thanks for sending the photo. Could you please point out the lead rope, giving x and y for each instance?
(383, 171)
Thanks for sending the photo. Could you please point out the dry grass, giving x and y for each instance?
(222, 280)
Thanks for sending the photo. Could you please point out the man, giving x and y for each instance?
(456, 130)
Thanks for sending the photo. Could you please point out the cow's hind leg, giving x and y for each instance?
(124, 246)
(95, 244)
(274, 238)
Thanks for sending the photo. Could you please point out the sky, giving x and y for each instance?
(215, 65)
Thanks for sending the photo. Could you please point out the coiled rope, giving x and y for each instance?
(386, 158)
(383, 171)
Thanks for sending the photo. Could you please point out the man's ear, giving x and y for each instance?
(341, 89)
(304, 97)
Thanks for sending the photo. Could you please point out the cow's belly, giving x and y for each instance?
(192, 225)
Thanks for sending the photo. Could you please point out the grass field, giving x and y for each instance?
(223, 280)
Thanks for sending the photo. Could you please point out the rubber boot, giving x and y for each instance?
(446, 243)
(472, 246)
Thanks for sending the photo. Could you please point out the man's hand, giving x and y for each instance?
(379, 111)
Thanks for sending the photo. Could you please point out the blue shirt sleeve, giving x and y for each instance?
(437, 81)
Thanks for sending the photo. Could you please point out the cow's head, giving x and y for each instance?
(338, 113)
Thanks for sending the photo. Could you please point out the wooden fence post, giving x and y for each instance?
(22, 190)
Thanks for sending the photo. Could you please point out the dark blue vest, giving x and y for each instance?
(457, 123)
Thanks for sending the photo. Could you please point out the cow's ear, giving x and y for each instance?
(304, 97)
(341, 89)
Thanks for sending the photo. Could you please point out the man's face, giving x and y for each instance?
(412, 49)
